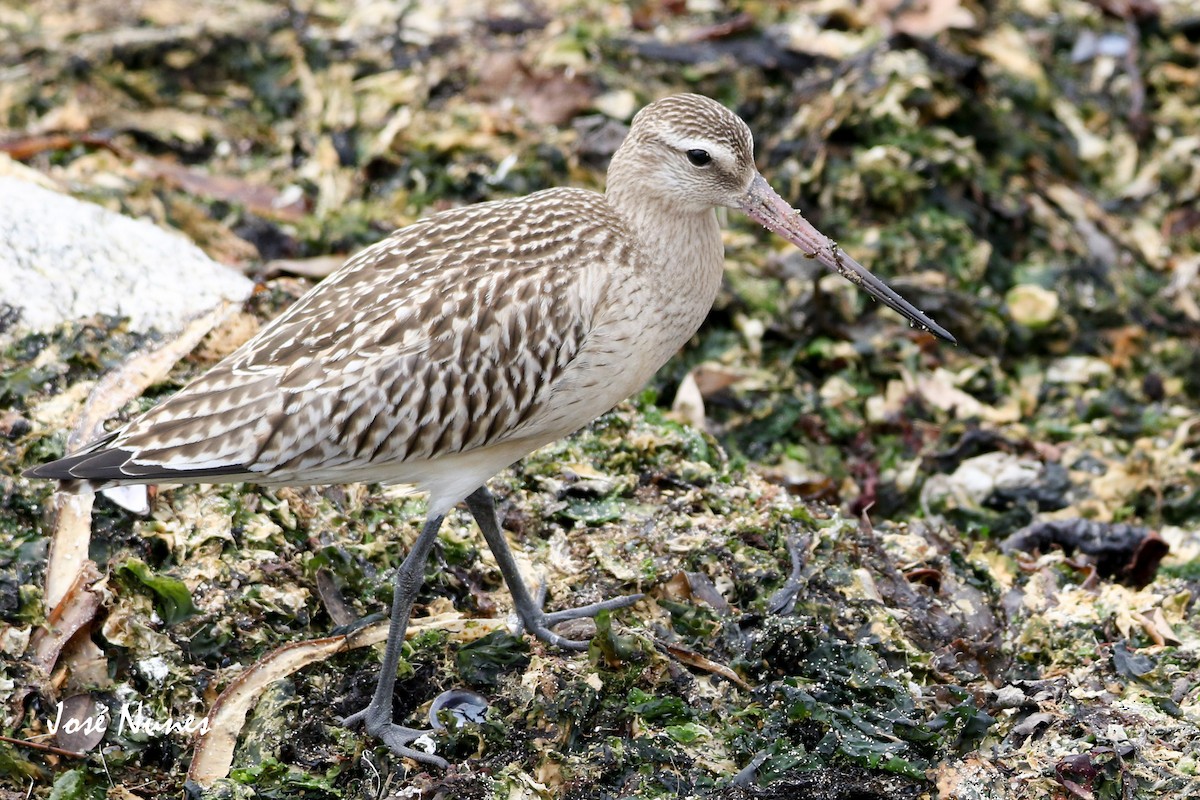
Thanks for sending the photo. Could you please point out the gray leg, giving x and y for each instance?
(377, 717)
(536, 621)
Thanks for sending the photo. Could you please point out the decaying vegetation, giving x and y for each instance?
(875, 566)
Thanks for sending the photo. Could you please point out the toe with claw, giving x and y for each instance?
(529, 608)
(377, 722)
(539, 622)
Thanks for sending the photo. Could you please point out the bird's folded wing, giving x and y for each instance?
(445, 337)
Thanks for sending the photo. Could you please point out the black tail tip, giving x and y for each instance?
(44, 472)
(58, 471)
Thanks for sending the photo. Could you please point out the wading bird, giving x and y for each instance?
(457, 345)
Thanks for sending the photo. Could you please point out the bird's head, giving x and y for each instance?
(690, 152)
(687, 154)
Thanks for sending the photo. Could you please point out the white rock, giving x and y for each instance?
(63, 259)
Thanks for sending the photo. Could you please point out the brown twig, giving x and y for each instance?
(1137, 87)
(45, 748)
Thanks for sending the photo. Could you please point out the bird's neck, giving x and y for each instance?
(673, 276)
(672, 237)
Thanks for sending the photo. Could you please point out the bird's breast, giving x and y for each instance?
(651, 315)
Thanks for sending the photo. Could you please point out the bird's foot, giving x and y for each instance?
(378, 723)
(539, 623)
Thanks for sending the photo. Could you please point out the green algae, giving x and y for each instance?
(938, 163)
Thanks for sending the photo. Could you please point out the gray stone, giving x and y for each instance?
(63, 259)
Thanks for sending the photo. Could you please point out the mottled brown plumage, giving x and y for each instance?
(457, 344)
(462, 342)
(449, 336)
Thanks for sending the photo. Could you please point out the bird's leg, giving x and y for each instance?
(377, 716)
(536, 621)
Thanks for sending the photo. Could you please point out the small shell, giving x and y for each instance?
(463, 704)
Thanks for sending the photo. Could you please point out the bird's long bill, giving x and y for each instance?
(762, 204)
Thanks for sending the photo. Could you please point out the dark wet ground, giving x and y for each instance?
(992, 548)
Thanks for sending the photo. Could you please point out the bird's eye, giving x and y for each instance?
(699, 158)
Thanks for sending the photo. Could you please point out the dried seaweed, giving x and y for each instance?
(812, 496)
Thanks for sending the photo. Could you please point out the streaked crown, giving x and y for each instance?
(688, 151)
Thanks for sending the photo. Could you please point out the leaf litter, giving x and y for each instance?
(831, 606)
